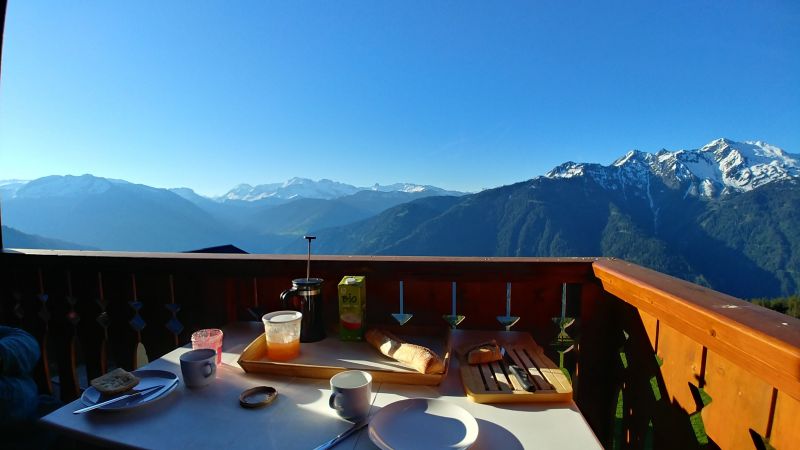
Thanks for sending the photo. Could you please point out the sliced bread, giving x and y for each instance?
(115, 382)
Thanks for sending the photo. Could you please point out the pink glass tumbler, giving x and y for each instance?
(208, 338)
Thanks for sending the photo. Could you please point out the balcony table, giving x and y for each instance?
(211, 417)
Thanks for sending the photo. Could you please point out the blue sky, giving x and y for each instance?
(464, 95)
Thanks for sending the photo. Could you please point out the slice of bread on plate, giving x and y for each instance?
(115, 382)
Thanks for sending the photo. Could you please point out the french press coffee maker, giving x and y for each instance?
(306, 296)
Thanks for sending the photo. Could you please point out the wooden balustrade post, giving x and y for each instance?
(137, 323)
(104, 321)
(44, 379)
(68, 360)
(173, 324)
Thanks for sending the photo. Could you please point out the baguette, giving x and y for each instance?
(419, 358)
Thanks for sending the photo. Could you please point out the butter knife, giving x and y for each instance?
(165, 388)
(118, 399)
(330, 444)
(519, 373)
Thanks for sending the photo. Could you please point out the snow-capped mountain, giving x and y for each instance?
(719, 168)
(276, 193)
(115, 214)
(322, 189)
(723, 215)
(292, 188)
(413, 188)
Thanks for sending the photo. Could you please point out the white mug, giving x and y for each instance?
(352, 394)
(199, 367)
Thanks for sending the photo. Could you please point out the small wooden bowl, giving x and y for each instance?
(257, 397)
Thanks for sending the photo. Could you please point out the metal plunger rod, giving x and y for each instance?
(308, 262)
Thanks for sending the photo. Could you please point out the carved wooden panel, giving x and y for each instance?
(681, 360)
(786, 423)
(740, 402)
(650, 324)
(599, 379)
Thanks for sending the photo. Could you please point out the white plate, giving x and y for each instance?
(421, 423)
(147, 378)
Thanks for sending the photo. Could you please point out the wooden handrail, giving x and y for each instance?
(291, 257)
(569, 269)
(761, 341)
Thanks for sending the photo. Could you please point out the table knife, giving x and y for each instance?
(330, 444)
(519, 373)
(164, 388)
(118, 399)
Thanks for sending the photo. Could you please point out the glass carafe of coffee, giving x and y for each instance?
(306, 296)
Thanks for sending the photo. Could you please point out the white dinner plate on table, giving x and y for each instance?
(147, 378)
(422, 423)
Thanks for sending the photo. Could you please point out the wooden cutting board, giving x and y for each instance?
(493, 383)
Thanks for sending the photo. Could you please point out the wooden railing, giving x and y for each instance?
(659, 362)
(88, 307)
(725, 373)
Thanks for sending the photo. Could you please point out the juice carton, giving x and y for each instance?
(352, 307)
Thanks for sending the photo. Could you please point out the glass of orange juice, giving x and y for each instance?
(282, 331)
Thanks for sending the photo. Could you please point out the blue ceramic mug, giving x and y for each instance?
(351, 394)
(199, 367)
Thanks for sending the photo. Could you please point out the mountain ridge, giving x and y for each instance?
(322, 189)
(740, 241)
(13, 238)
(118, 215)
(275, 193)
(719, 168)
(723, 215)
